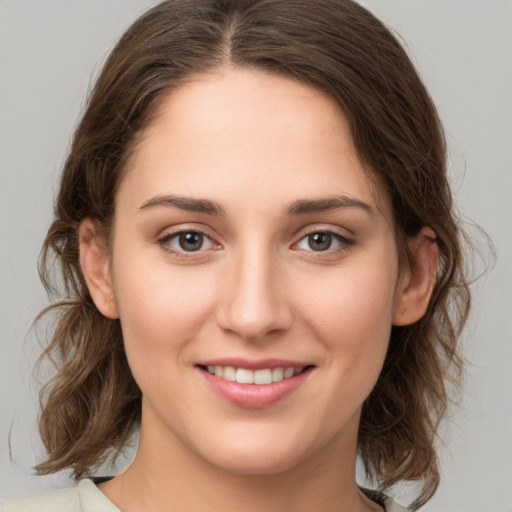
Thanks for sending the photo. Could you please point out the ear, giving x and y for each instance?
(418, 278)
(94, 261)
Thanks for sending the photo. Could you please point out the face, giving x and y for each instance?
(255, 273)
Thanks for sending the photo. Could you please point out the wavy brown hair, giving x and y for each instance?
(92, 404)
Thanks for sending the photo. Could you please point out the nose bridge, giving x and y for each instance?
(254, 302)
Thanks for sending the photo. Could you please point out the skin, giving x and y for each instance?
(253, 144)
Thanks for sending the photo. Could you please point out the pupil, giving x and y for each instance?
(320, 241)
(191, 241)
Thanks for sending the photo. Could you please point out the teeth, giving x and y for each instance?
(263, 377)
(277, 374)
(289, 372)
(245, 376)
(229, 373)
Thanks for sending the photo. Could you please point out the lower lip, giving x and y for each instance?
(253, 396)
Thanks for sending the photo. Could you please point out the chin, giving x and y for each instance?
(257, 455)
(258, 464)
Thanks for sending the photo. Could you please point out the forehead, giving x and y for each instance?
(249, 135)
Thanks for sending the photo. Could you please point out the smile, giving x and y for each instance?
(252, 385)
(259, 377)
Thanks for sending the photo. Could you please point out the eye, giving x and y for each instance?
(186, 241)
(321, 241)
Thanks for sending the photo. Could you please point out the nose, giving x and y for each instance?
(253, 303)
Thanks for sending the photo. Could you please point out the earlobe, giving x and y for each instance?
(94, 261)
(418, 279)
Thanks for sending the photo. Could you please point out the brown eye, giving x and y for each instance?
(186, 242)
(191, 242)
(319, 241)
(323, 241)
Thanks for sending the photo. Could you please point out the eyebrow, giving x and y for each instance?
(188, 204)
(299, 207)
(304, 206)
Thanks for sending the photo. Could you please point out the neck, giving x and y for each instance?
(169, 475)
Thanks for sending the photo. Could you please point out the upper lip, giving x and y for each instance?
(254, 365)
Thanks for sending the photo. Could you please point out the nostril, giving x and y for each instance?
(252, 304)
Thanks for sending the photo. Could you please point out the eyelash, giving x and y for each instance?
(165, 242)
(343, 241)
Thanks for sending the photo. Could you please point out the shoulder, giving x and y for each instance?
(85, 497)
(392, 506)
(64, 499)
(387, 503)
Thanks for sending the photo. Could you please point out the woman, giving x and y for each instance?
(262, 266)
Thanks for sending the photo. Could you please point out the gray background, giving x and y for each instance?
(463, 48)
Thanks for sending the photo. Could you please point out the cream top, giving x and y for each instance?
(86, 497)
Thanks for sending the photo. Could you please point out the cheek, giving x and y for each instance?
(355, 303)
(161, 307)
(352, 315)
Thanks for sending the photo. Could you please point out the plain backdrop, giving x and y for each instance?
(50, 49)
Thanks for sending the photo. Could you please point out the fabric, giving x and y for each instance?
(384, 501)
(86, 497)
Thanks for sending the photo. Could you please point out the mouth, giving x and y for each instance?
(252, 385)
(259, 377)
